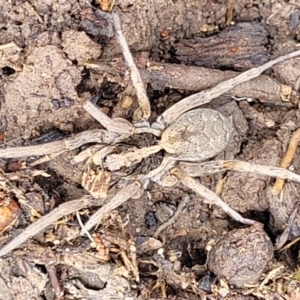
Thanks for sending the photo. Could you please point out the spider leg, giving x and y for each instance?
(119, 198)
(209, 196)
(212, 167)
(111, 125)
(118, 125)
(70, 143)
(47, 220)
(45, 158)
(70, 207)
(166, 164)
(87, 153)
(116, 161)
(188, 103)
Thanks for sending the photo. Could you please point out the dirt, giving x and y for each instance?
(51, 56)
(241, 256)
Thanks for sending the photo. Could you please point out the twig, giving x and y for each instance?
(172, 220)
(212, 167)
(209, 196)
(171, 114)
(119, 198)
(229, 12)
(145, 110)
(47, 220)
(286, 160)
(161, 75)
(59, 293)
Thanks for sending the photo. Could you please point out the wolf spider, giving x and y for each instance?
(187, 137)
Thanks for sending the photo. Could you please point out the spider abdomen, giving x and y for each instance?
(197, 135)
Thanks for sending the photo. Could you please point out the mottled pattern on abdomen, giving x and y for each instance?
(197, 135)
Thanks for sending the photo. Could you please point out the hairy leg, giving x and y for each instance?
(110, 124)
(212, 167)
(119, 198)
(209, 196)
(70, 143)
(193, 101)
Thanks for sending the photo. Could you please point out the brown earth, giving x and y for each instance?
(54, 55)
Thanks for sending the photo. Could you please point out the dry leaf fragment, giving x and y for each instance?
(106, 5)
(9, 213)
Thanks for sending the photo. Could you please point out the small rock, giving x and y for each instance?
(241, 256)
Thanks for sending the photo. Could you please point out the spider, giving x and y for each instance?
(186, 136)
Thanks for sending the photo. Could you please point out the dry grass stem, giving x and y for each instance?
(290, 244)
(6, 46)
(284, 236)
(145, 110)
(286, 160)
(83, 228)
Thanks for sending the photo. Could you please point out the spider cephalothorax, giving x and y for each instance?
(195, 136)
